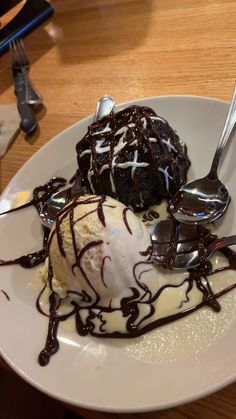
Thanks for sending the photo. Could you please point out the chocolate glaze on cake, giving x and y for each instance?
(133, 156)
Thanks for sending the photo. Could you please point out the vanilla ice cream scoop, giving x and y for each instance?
(98, 249)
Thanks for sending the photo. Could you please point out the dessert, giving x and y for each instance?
(98, 256)
(134, 156)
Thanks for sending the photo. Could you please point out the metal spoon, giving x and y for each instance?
(58, 200)
(186, 252)
(206, 199)
(104, 107)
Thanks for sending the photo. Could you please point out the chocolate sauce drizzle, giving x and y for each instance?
(150, 216)
(52, 341)
(125, 210)
(27, 261)
(130, 310)
(41, 194)
(140, 294)
(191, 238)
(5, 294)
(102, 269)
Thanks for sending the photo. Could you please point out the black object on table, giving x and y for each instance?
(7, 5)
(32, 14)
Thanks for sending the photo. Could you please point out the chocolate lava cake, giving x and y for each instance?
(134, 156)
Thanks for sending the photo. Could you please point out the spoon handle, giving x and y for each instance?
(227, 130)
(222, 242)
(104, 106)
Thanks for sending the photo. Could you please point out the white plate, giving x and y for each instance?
(175, 364)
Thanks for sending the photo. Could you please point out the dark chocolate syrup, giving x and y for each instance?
(129, 305)
(27, 261)
(41, 194)
(125, 210)
(52, 341)
(191, 238)
(150, 216)
(172, 250)
(5, 294)
(102, 269)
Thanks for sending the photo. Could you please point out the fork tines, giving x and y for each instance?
(19, 54)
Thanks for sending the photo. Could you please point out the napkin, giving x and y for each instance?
(9, 126)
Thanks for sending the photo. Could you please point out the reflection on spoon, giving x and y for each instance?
(178, 246)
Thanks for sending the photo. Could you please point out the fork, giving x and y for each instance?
(20, 62)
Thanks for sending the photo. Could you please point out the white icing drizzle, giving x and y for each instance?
(144, 122)
(158, 118)
(168, 145)
(104, 167)
(122, 130)
(135, 161)
(84, 153)
(90, 174)
(133, 143)
(106, 129)
(118, 147)
(131, 164)
(113, 187)
(167, 176)
(152, 140)
(99, 149)
(141, 200)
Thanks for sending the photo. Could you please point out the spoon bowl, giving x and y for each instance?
(53, 205)
(183, 247)
(201, 201)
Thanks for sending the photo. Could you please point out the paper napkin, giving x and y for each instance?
(9, 126)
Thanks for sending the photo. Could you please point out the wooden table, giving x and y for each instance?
(129, 49)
